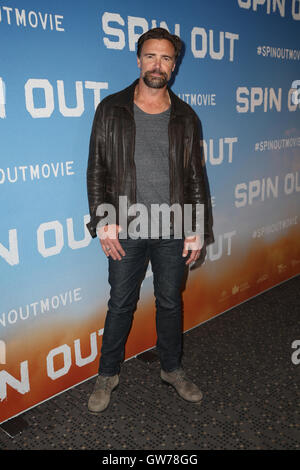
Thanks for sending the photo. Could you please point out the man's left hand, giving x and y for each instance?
(194, 244)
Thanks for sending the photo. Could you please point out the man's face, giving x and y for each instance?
(157, 62)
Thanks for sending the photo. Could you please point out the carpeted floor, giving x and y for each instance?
(242, 362)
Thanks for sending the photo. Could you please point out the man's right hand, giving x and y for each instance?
(109, 239)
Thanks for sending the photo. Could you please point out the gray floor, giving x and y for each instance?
(242, 362)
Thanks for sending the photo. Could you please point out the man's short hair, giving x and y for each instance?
(160, 33)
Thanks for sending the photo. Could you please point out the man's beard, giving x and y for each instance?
(155, 82)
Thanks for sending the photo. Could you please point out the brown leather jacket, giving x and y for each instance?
(111, 168)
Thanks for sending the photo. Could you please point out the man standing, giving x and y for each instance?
(145, 145)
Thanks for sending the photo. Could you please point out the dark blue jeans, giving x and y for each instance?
(125, 277)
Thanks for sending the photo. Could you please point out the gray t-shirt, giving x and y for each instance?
(152, 168)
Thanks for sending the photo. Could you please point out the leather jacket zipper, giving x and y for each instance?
(133, 162)
(171, 167)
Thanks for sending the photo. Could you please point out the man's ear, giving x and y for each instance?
(138, 62)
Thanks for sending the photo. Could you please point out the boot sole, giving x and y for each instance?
(187, 401)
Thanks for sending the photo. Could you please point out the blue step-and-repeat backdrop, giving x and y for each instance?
(240, 73)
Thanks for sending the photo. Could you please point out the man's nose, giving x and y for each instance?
(158, 61)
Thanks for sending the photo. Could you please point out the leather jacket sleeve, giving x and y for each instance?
(96, 170)
(197, 186)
